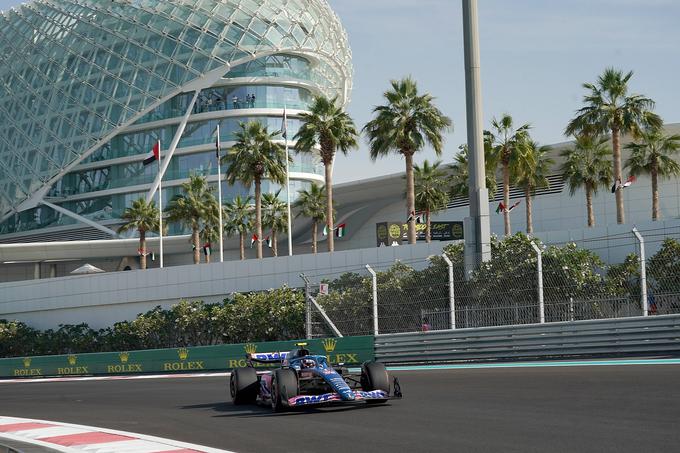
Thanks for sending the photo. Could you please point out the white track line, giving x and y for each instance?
(111, 378)
(71, 438)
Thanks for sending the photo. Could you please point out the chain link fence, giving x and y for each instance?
(525, 282)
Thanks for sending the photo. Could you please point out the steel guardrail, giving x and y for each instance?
(621, 336)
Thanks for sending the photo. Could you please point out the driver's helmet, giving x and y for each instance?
(307, 363)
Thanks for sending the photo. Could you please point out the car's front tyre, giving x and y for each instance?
(243, 385)
(284, 387)
(374, 377)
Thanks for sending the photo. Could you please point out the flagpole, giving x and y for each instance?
(160, 204)
(219, 191)
(290, 226)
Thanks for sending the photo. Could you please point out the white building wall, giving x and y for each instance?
(100, 300)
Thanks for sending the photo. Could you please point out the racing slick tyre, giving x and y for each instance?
(243, 385)
(284, 386)
(374, 377)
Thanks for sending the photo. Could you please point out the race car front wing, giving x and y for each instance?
(359, 395)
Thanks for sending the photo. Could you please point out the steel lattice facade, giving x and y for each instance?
(78, 75)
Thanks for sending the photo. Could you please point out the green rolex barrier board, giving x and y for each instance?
(350, 351)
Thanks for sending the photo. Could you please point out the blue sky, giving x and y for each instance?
(535, 55)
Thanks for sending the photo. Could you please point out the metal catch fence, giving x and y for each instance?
(525, 282)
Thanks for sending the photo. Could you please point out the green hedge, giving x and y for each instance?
(275, 315)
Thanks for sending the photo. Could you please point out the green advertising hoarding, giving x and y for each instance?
(349, 350)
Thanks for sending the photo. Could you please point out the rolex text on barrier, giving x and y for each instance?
(349, 351)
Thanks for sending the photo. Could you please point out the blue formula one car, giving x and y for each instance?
(304, 380)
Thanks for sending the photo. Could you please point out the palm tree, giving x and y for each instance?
(505, 139)
(405, 125)
(239, 215)
(653, 155)
(255, 157)
(588, 165)
(194, 209)
(211, 227)
(329, 127)
(274, 217)
(143, 217)
(530, 171)
(312, 204)
(609, 108)
(459, 179)
(430, 191)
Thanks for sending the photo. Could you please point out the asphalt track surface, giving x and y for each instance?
(562, 409)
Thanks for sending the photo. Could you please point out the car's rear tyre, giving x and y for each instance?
(374, 377)
(284, 386)
(243, 385)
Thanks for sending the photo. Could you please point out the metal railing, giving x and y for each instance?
(612, 337)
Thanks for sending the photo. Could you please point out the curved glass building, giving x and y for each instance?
(88, 86)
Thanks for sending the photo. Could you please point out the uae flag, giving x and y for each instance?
(421, 217)
(155, 154)
(253, 240)
(325, 230)
(269, 242)
(206, 249)
(340, 230)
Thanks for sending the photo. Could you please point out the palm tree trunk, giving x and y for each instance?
(589, 204)
(275, 246)
(506, 197)
(530, 221)
(258, 216)
(410, 197)
(142, 247)
(656, 215)
(618, 175)
(197, 246)
(315, 232)
(428, 228)
(329, 205)
(242, 245)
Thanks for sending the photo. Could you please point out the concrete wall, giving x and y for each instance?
(103, 299)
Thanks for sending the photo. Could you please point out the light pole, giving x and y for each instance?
(477, 226)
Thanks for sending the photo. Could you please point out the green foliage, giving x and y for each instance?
(664, 267)
(531, 168)
(588, 164)
(327, 126)
(460, 176)
(255, 156)
(430, 187)
(273, 315)
(141, 217)
(624, 279)
(407, 122)
(609, 107)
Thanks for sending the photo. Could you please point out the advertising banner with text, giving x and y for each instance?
(351, 351)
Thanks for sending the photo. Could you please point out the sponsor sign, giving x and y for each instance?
(347, 350)
(391, 233)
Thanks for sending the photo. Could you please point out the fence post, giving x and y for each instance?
(375, 299)
(541, 303)
(643, 273)
(308, 306)
(452, 299)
